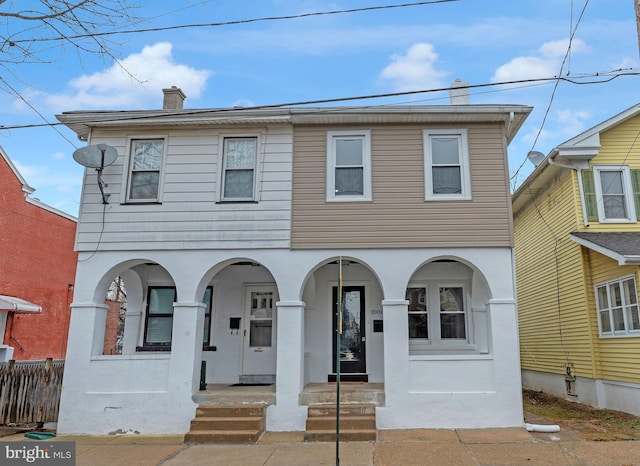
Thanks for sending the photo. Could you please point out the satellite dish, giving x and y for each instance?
(98, 156)
(535, 157)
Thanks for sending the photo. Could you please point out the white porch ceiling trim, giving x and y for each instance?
(13, 304)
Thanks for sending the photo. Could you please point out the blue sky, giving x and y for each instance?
(331, 56)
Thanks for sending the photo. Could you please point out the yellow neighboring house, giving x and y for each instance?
(577, 252)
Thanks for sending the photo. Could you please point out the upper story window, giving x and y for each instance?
(239, 169)
(145, 168)
(438, 317)
(617, 305)
(446, 164)
(349, 165)
(614, 194)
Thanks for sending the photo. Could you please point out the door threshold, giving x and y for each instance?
(348, 378)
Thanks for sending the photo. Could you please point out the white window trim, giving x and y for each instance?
(628, 193)
(124, 198)
(365, 134)
(465, 175)
(435, 343)
(626, 333)
(256, 169)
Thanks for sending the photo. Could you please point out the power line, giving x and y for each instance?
(49, 124)
(555, 88)
(111, 118)
(230, 23)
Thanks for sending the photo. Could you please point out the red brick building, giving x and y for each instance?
(37, 271)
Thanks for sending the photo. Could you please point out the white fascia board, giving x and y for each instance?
(25, 186)
(13, 304)
(42, 205)
(621, 259)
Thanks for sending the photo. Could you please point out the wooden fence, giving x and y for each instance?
(30, 391)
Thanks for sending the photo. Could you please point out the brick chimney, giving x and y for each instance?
(173, 98)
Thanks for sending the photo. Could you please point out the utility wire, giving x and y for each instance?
(48, 123)
(126, 116)
(231, 23)
(555, 238)
(555, 88)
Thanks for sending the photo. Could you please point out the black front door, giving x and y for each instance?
(352, 339)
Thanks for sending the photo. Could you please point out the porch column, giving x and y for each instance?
(506, 350)
(132, 324)
(396, 350)
(287, 414)
(185, 359)
(86, 339)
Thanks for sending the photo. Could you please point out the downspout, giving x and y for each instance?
(542, 428)
(11, 337)
(585, 219)
(510, 124)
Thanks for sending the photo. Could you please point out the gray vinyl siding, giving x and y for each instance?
(398, 215)
(189, 215)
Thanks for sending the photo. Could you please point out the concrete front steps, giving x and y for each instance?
(357, 423)
(227, 424)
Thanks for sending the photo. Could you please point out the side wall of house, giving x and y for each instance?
(398, 215)
(37, 263)
(190, 214)
(552, 303)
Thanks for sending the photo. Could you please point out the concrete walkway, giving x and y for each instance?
(511, 446)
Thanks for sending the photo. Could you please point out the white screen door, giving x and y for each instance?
(259, 346)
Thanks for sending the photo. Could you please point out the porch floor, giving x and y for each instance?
(313, 393)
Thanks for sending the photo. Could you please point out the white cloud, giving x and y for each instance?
(415, 70)
(136, 82)
(243, 103)
(546, 64)
(61, 178)
(534, 134)
(571, 122)
(563, 125)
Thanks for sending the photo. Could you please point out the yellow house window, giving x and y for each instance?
(617, 304)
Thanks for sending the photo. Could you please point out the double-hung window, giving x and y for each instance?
(159, 317)
(349, 165)
(614, 193)
(446, 164)
(418, 314)
(438, 317)
(145, 168)
(617, 305)
(239, 168)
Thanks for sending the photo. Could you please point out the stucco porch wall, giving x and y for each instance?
(129, 374)
(452, 374)
(471, 390)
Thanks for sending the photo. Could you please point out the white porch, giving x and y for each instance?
(464, 386)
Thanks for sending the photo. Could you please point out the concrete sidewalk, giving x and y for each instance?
(511, 446)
